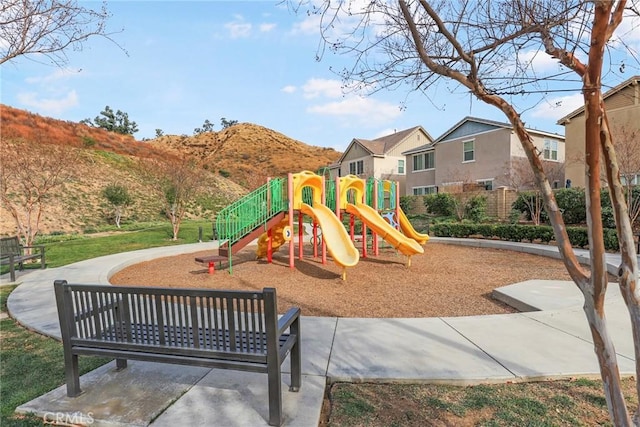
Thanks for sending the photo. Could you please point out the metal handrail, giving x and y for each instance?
(249, 212)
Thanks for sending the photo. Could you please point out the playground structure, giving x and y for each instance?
(268, 214)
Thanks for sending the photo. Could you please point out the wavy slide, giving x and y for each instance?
(408, 230)
(277, 239)
(338, 241)
(373, 220)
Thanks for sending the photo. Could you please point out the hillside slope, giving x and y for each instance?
(249, 153)
(235, 159)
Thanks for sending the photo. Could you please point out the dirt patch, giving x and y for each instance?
(446, 280)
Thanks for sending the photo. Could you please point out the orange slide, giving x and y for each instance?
(277, 239)
(372, 219)
(409, 231)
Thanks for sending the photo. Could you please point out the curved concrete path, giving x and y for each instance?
(552, 342)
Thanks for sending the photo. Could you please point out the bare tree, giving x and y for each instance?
(626, 142)
(30, 172)
(176, 182)
(520, 177)
(48, 28)
(479, 46)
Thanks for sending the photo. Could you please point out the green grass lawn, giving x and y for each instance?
(32, 365)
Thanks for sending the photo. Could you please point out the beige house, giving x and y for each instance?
(477, 153)
(381, 158)
(623, 109)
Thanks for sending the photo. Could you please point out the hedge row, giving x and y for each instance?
(518, 233)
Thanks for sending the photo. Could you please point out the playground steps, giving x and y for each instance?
(249, 237)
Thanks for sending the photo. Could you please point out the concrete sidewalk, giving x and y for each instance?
(552, 343)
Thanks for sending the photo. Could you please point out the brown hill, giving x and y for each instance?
(249, 153)
(245, 153)
(28, 126)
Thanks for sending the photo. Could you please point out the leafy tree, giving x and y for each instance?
(159, 133)
(227, 123)
(49, 28)
(31, 171)
(207, 126)
(118, 197)
(117, 122)
(486, 48)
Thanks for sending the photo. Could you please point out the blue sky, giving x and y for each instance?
(251, 61)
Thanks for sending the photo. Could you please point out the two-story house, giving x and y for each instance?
(481, 152)
(623, 110)
(381, 158)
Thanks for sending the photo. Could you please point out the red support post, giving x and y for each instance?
(300, 235)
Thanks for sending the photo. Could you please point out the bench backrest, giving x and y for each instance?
(10, 246)
(231, 322)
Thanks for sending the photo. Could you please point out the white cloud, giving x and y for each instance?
(363, 110)
(289, 89)
(266, 27)
(238, 28)
(628, 34)
(310, 25)
(558, 107)
(58, 74)
(328, 88)
(539, 61)
(48, 105)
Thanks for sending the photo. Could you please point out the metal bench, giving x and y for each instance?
(200, 327)
(12, 253)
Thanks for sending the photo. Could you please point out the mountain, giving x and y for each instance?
(248, 154)
(236, 160)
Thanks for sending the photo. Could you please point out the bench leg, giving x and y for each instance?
(72, 375)
(296, 358)
(12, 271)
(275, 394)
(121, 364)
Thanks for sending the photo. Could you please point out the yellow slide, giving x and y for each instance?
(338, 241)
(372, 219)
(409, 231)
(277, 239)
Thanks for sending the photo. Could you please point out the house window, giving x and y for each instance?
(550, 149)
(486, 183)
(401, 166)
(424, 161)
(468, 151)
(420, 191)
(430, 160)
(634, 180)
(356, 168)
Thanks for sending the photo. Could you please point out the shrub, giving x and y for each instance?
(518, 233)
(440, 204)
(571, 202)
(476, 208)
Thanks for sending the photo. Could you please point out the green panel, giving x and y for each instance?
(330, 194)
(256, 208)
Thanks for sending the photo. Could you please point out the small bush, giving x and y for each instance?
(571, 202)
(224, 173)
(476, 208)
(440, 204)
(518, 233)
